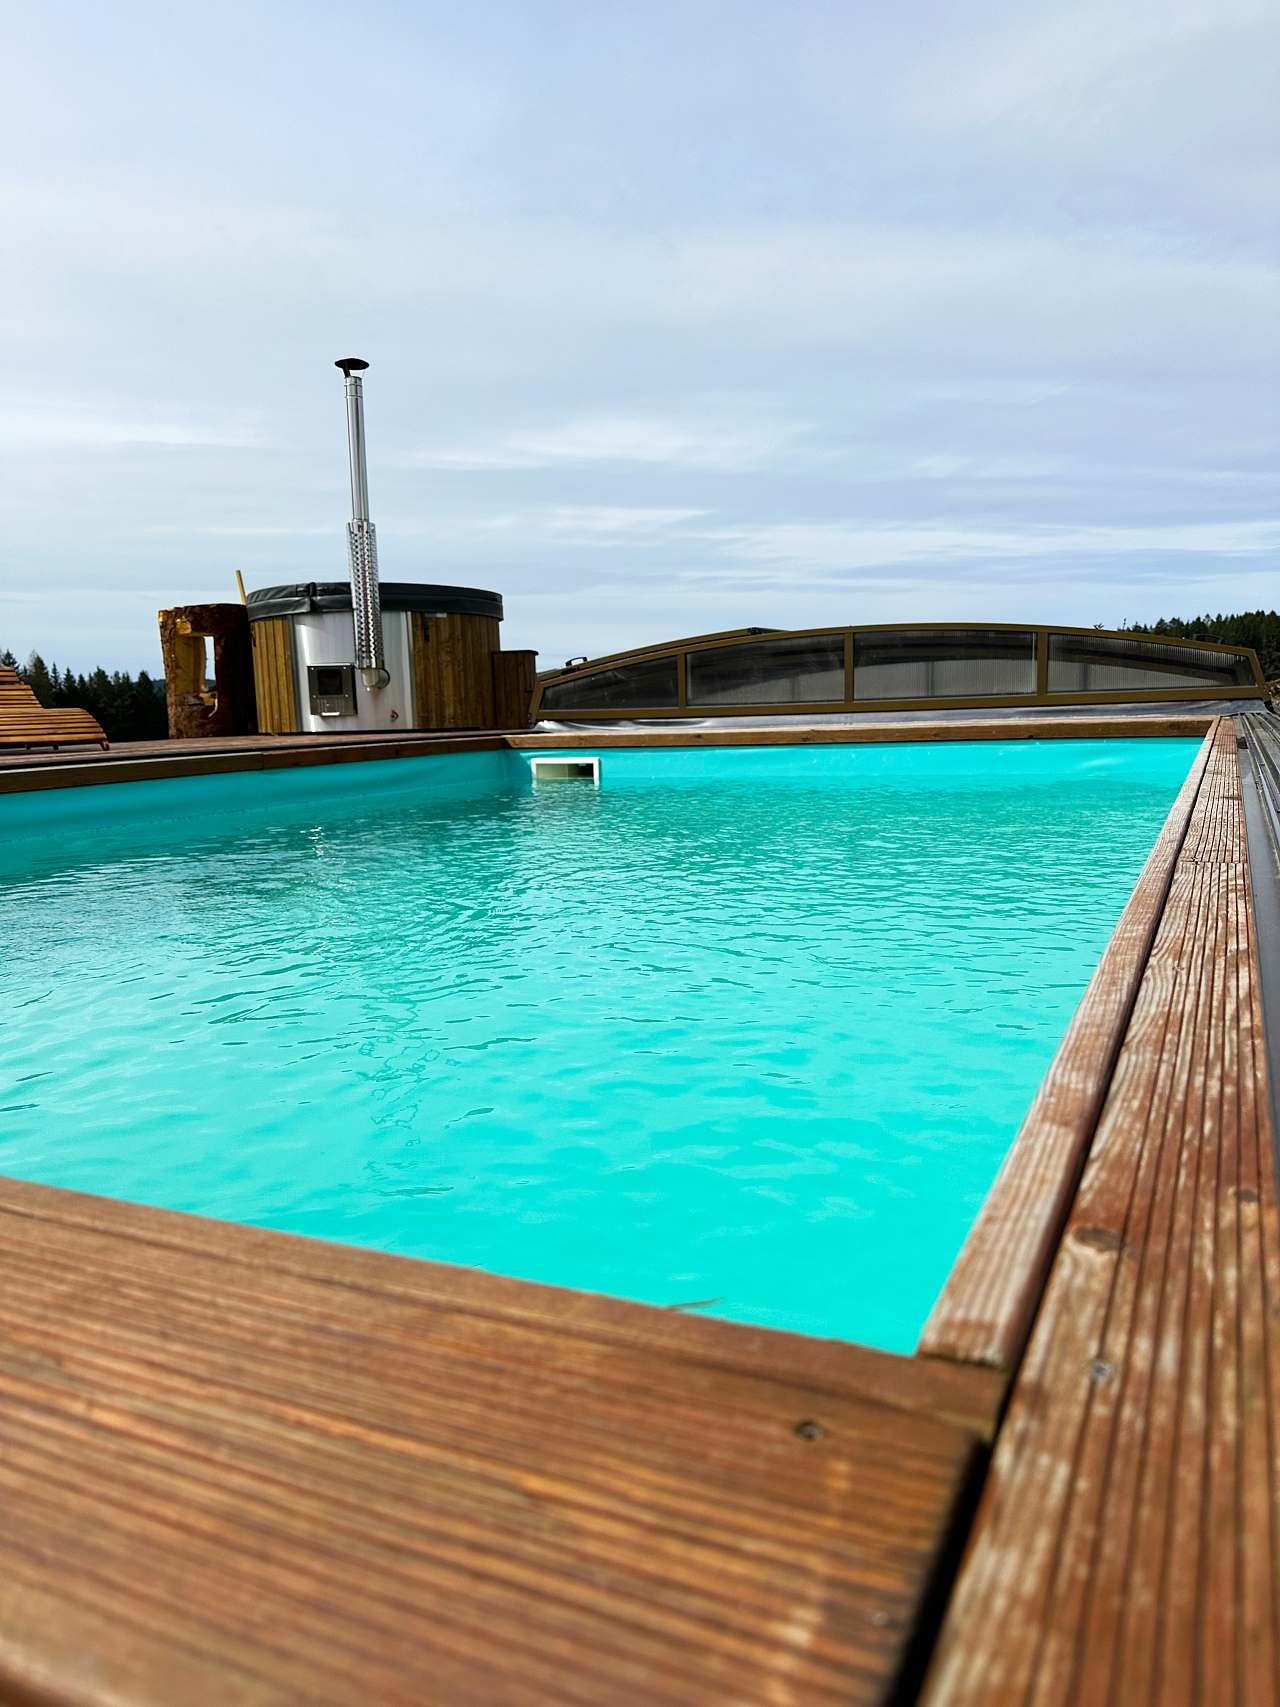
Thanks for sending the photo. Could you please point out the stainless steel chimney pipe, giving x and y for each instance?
(362, 541)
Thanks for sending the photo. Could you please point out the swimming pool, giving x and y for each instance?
(745, 1029)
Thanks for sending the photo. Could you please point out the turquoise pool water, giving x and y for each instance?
(744, 1029)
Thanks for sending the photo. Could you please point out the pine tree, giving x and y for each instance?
(150, 713)
(38, 679)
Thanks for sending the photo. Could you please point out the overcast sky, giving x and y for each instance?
(681, 316)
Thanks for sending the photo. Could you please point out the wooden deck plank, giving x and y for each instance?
(239, 1466)
(468, 1304)
(1125, 1549)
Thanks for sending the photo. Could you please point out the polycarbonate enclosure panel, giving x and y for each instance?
(799, 669)
(1102, 663)
(943, 663)
(648, 685)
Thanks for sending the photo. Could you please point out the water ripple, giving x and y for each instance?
(758, 1045)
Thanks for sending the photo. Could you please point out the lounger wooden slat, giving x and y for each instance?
(24, 722)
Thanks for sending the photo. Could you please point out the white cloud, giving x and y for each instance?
(90, 426)
(244, 530)
(840, 547)
(1121, 92)
(1046, 60)
(621, 439)
(555, 522)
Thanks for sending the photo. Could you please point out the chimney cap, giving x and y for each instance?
(350, 365)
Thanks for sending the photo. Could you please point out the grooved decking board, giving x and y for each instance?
(984, 1312)
(246, 1468)
(1125, 1548)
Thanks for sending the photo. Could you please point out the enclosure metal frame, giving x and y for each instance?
(1040, 696)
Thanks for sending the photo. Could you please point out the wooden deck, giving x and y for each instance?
(239, 1467)
(245, 1468)
(1127, 1547)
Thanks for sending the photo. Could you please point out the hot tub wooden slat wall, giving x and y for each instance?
(453, 686)
(273, 677)
(1125, 1549)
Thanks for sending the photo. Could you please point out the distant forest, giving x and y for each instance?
(132, 708)
(129, 708)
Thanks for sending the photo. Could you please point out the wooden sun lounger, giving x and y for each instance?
(24, 722)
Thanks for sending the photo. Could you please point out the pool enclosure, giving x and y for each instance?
(748, 671)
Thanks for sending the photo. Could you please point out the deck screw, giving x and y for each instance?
(809, 1430)
(1101, 1370)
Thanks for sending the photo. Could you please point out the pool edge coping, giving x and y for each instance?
(101, 769)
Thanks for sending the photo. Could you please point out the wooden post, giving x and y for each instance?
(196, 708)
(514, 674)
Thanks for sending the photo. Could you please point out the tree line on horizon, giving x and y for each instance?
(132, 708)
